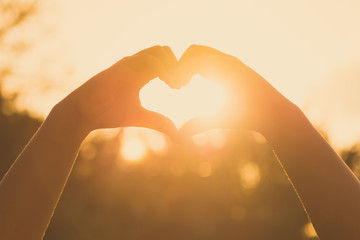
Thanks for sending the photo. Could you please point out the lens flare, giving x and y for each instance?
(156, 142)
(249, 175)
(133, 147)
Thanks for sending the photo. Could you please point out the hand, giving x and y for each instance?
(252, 102)
(111, 98)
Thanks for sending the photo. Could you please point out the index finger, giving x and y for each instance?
(163, 53)
(166, 57)
(208, 62)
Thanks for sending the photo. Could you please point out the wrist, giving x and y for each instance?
(64, 125)
(287, 123)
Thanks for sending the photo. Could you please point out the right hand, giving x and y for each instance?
(252, 102)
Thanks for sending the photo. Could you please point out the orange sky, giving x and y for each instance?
(309, 50)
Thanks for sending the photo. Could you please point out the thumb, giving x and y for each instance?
(158, 122)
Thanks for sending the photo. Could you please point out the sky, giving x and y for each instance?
(309, 50)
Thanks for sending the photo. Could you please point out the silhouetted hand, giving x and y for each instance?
(111, 98)
(252, 102)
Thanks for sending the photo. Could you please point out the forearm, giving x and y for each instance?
(329, 191)
(30, 190)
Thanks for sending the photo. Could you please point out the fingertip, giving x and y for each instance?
(170, 58)
(174, 81)
(181, 77)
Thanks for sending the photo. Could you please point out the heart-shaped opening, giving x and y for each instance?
(199, 98)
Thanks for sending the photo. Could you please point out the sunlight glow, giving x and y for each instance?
(133, 147)
(78, 55)
(200, 140)
(200, 97)
(309, 230)
(249, 175)
(259, 138)
(217, 138)
(214, 138)
(87, 151)
(156, 142)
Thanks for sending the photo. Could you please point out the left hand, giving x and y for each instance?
(110, 99)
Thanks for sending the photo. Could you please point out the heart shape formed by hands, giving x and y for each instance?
(111, 98)
(199, 98)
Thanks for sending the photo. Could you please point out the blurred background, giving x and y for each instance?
(135, 183)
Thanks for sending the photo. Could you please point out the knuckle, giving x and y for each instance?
(196, 50)
(166, 48)
(156, 48)
(126, 59)
(195, 47)
(148, 61)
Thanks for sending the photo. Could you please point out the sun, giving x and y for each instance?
(200, 97)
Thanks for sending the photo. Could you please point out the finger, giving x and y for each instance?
(156, 121)
(194, 60)
(199, 50)
(172, 66)
(164, 53)
(208, 62)
(166, 57)
(147, 66)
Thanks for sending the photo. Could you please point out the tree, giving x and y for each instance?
(16, 127)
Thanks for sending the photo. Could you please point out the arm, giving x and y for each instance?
(31, 188)
(327, 188)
